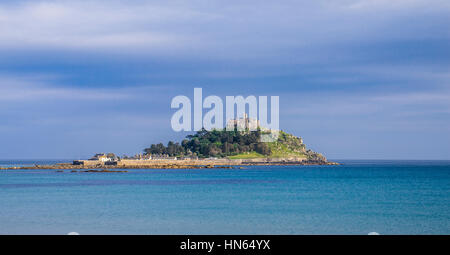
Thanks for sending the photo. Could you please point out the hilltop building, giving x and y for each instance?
(244, 123)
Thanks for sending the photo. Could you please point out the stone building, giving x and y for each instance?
(245, 123)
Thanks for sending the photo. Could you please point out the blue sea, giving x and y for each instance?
(357, 197)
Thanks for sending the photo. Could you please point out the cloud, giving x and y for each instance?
(38, 88)
(86, 25)
(352, 106)
(343, 69)
(370, 5)
(436, 98)
(225, 30)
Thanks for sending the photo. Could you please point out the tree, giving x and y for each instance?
(263, 149)
(215, 143)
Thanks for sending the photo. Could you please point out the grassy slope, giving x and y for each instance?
(278, 150)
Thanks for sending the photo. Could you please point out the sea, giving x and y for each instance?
(357, 197)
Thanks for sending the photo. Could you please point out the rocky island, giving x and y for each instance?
(208, 149)
(205, 149)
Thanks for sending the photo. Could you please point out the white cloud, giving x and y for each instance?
(415, 98)
(91, 25)
(371, 5)
(34, 88)
(353, 105)
(210, 28)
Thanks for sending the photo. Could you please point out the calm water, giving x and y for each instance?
(358, 197)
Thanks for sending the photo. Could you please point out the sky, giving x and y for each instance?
(357, 79)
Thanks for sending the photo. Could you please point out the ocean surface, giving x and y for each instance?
(357, 197)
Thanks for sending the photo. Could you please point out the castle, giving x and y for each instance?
(244, 123)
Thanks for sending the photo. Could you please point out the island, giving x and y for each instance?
(208, 149)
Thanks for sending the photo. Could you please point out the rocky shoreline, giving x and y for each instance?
(156, 165)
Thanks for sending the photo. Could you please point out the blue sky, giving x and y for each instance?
(357, 79)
